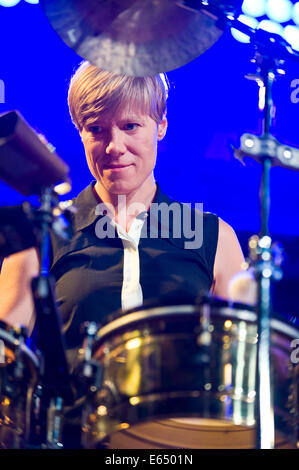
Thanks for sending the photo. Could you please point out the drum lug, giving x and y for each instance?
(91, 371)
(55, 423)
(19, 366)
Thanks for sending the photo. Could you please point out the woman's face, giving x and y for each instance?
(121, 149)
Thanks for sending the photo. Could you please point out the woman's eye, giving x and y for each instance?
(131, 126)
(95, 129)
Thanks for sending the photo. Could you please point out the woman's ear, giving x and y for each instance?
(162, 127)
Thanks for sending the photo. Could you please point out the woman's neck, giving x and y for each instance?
(128, 206)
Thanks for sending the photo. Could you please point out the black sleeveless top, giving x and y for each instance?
(89, 270)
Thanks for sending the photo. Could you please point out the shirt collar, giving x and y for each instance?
(86, 203)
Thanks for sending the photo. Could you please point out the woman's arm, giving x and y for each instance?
(16, 302)
(228, 260)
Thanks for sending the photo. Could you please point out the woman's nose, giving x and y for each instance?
(116, 145)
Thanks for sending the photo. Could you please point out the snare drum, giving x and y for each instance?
(185, 377)
(18, 375)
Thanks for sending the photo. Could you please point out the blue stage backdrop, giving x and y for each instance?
(211, 105)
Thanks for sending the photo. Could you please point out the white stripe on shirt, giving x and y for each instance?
(131, 293)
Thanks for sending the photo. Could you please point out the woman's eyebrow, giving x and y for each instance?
(132, 117)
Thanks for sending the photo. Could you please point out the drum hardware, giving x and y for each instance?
(46, 418)
(29, 164)
(88, 371)
(271, 51)
(15, 389)
(37, 436)
(264, 149)
(55, 387)
(24, 150)
(86, 380)
(147, 37)
(143, 37)
(55, 423)
(91, 372)
(56, 384)
(26, 163)
(144, 402)
(18, 372)
(18, 377)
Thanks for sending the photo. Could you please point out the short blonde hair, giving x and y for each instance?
(94, 91)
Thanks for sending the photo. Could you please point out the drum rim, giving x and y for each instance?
(142, 314)
(162, 311)
(7, 336)
(284, 327)
(228, 311)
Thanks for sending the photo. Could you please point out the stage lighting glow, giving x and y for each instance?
(241, 37)
(271, 27)
(279, 10)
(34, 2)
(296, 13)
(254, 7)
(9, 3)
(291, 34)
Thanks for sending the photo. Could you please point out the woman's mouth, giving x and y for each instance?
(117, 167)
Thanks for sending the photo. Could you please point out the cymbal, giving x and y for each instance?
(132, 37)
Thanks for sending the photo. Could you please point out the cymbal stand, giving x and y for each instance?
(271, 50)
(264, 263)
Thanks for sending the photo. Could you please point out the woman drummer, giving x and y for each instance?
(112, 262)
